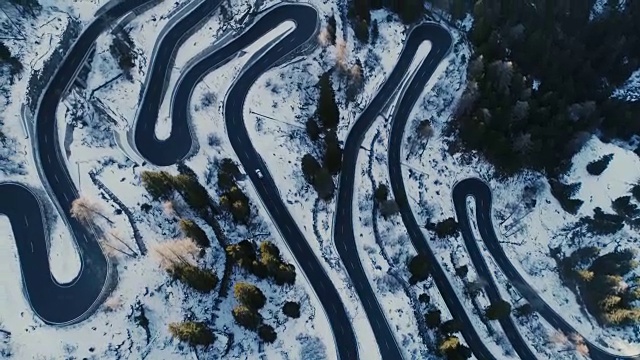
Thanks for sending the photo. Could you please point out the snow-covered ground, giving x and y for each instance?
(111, 332)
(430, 173)
(33, 41)
(276, 109)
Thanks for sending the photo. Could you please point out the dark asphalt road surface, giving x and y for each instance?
(399, 121)
(53, 302)
(481, 192)
(177, 146)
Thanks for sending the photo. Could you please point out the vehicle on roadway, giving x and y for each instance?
(259, 173)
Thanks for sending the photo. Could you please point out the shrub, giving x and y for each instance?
(597, 167)
(267, 333)
(193, 333)
(199, 279)
(249, 295)
(159, 185)
(291, 309)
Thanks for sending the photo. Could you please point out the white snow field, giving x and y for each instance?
(275, 112)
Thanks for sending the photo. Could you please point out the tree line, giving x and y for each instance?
(542, 78)
(602, 281)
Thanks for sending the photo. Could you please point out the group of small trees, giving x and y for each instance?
(601, 280)
(322, 126)
(162, 185)
(251, 300)
(268, 265)
(246, 314)
(602, 223)
(564, 194)
(448, 343)
(232, 198)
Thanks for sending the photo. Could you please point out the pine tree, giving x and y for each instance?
(324, 185)
(201, 280)
(247, 317)
(310, 167)
(195, 232)
(249, 295)
(328, 111)
(597, 167)
(419, 268)
(159, 185)
(381, 193)
(313, 130)
(433, 319)
(242, 253)
(193, 193)
(291, 309)
(193, 333)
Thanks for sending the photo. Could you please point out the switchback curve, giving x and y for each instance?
(343, 221)
(177, 146)
(53, 302)
(399, 121)
(481, 192)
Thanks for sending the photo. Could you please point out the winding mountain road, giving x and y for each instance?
(51, 301)
(481, 193)
(179, 143)
(62, 304)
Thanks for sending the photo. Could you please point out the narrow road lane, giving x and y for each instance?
(481, 192)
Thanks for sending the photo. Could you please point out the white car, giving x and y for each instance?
(259, 173)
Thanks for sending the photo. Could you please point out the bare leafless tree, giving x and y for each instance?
(115, 245)
(355, 72)
(85, 210)
(324, 37)
(169, 208)
(341, 55)
(558, 338)
(174, 252)
(113, 303)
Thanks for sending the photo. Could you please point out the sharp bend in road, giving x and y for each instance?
(481, 192)
(55, 303)
(343, 225)
(441, 42)
(178, 144)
